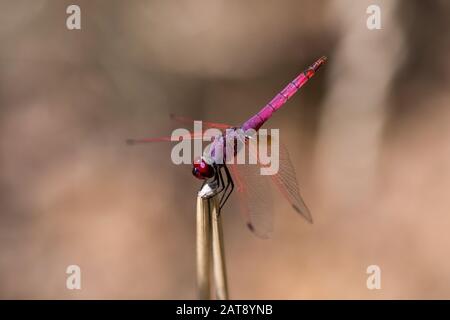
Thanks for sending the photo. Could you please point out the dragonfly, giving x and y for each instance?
(252, 188)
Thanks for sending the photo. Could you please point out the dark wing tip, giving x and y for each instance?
(305, 213)
(258, 234)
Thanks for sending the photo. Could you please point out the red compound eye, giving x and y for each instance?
(202, 170)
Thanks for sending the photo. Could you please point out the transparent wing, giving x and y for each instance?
(190, 136)
(254, 190)
(206, 124)
(286, 182)
(255, 199)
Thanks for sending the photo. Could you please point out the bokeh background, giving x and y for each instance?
(369, 137)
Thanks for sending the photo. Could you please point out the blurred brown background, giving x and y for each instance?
(368, 136)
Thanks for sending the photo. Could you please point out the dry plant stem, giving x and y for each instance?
(219, 270)
(203, 248)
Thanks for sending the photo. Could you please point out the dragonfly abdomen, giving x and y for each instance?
(280, 99)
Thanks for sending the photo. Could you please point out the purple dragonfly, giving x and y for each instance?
(253, 188)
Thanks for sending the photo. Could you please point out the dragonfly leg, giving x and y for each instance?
(219, 178)
(227, 192)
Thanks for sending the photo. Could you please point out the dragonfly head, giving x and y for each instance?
(202, 170)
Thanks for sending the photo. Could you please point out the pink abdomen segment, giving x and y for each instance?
(280, 99)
